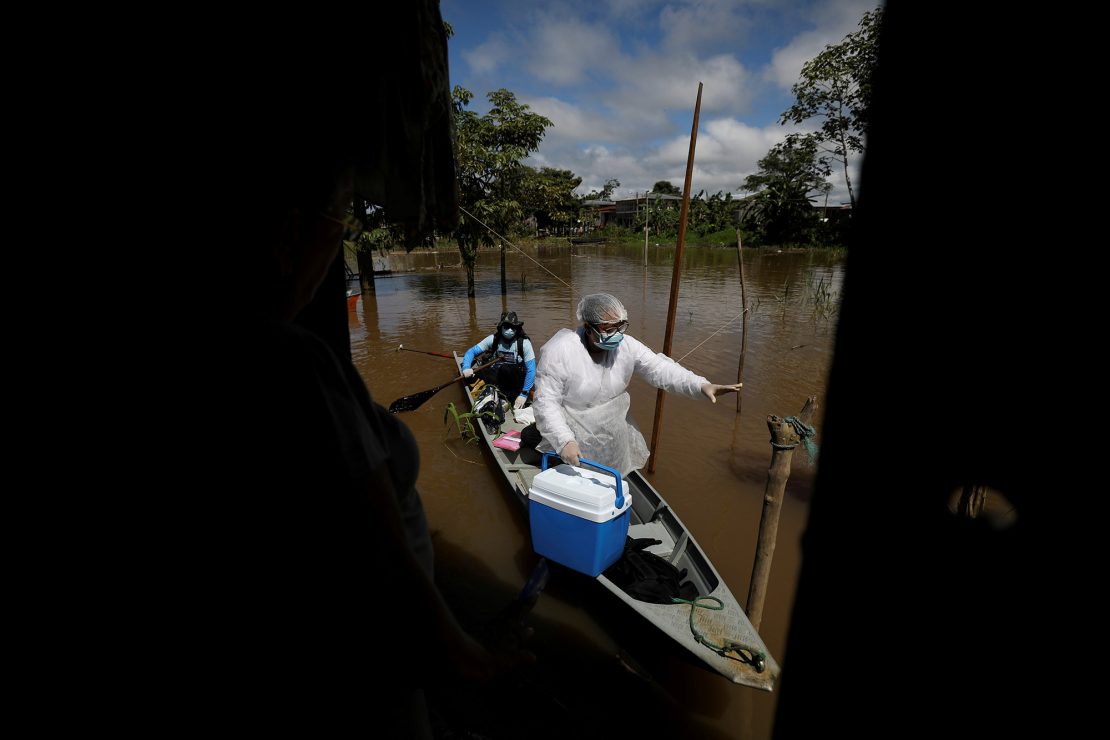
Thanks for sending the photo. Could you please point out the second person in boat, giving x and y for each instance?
(516, 370)
(582, 402)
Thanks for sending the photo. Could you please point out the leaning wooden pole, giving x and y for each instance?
(676, 275)
(744, 330)
(783, 441)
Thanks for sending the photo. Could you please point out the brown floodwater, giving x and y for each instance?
(596, 664)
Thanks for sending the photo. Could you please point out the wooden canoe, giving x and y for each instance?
(652, 517)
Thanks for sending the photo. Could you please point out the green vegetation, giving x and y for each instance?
(822, 298)
(464, 422)
(606, 192)
(664, 187)
(548, 196)
(781, 211)
(835, 88)
(499, 192)
(492, 178)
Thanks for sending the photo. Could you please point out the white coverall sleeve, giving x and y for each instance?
(663, 372)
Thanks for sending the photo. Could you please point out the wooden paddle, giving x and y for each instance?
(416, 400)
(436, 354)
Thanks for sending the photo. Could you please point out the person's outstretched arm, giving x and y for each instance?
(663, 372)
(477, 349)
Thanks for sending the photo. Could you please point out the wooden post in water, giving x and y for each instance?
(504, 285)
(744, 330)
(672, 308)
(365, 261)
(783, 437)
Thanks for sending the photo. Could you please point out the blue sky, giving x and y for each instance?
(619, 79)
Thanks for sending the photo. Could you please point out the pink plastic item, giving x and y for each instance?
(508, 441)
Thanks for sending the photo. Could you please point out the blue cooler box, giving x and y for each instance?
(579, 518)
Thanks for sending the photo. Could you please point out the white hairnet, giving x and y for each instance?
(597, 308)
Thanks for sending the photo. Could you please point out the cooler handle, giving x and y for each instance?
(619, 503)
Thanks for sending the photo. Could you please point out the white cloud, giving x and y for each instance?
(574, 122)
(487, 57)
(563, 50)
(621, 98)
(727, 152)
(631, 8)
(833, 21)
(595, 164)
(663, 83)
(687, 27)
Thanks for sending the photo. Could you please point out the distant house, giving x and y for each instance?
(834, 213)
(627, 209)
(597, 214)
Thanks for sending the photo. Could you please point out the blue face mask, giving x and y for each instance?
(508, 333)
(610, 342)
(611, 338)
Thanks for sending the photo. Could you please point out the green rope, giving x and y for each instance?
(806, 433)
(745, 654)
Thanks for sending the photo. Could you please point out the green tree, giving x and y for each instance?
(548, 194)
(606, 193)
(709, 214)
(661, 217)
(664, 187)
(781, 211)
(610, 185)
(835, 87)
(490, 150)
(378, 235)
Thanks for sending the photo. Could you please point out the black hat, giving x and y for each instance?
(509, 317)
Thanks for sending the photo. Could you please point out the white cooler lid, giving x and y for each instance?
(588, 494)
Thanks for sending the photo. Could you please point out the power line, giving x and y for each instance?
(680, 359)
(549, 272)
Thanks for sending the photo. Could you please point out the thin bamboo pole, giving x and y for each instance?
(676, 276)
(744, 330)
(783, 437)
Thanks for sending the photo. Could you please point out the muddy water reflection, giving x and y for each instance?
(711, 464)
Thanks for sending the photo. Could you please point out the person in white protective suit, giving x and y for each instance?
(582, 402)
